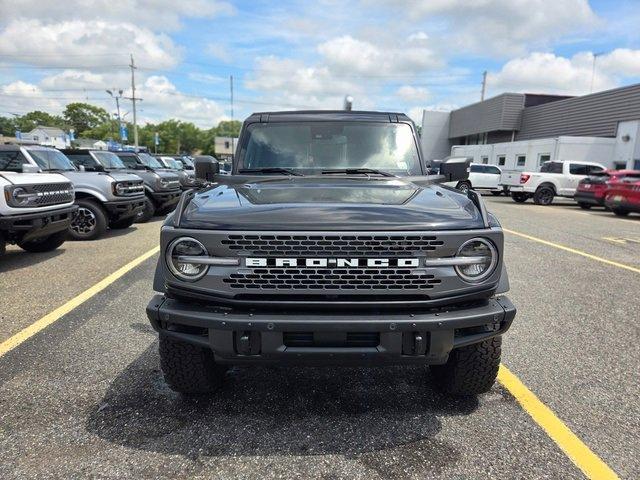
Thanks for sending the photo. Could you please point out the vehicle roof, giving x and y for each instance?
(328, 115)
(622, 172)
(14, 147)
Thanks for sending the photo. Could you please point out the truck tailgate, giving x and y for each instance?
(510, 178)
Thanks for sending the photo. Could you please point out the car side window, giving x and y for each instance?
(594, 169)
(551, 167)
(578, 169)
(11, 161)
(128, 160)
(476, 169)
(492, 170)
(83, 159)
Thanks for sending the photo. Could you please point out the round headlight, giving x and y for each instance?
(180, 260)
(121, 189)
(482, 259)
(20, 196)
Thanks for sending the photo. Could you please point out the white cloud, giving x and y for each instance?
(346, 54)
(550, 73)
(163, 100)
(156, 15)
(219, 51)
(21, 97)
(499, 27)
(93, 43)
(412, 94)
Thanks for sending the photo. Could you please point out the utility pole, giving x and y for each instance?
(231, 99)
(133, 100)
(484, 85)
(593, 69)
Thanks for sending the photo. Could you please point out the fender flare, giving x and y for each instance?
(548, 183)
(503, 283)
(92, 193)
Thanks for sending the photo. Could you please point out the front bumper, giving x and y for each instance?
(30, 226)
(166, 199)
(238, 336)
(589, 198)
(129, 207)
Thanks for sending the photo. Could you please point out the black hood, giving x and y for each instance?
(329, 203)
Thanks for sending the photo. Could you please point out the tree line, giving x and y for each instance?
(89, 121)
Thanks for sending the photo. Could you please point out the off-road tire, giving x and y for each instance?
(189, 369)
(544, 195)
(3, 245)
(519, 197)
(470, 370)
(148, 212)
(92, 212)
(124, 223)
(45, 244)
(584, 206)
(621, 212)
(464, 187)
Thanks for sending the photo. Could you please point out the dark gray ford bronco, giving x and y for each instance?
(332, 242)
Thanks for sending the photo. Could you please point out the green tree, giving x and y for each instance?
(225, 128)
(83, 117)
(7, 126)
(31, 120)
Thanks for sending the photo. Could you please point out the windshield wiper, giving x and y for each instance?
(285, 171)
(359, 171)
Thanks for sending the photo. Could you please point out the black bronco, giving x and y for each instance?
(331, 242)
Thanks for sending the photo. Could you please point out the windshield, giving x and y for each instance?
(314, 147)
(176, 164)
(149, 161)
(51, 160)
(109, 160)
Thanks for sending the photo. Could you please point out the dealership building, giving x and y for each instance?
(519, 131)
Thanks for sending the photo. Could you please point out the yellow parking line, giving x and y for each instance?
(573, 250)
(587, 461)
(59, 312)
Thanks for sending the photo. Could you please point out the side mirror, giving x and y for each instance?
(455, 169)
(28, 168)
(206, 168)
(82, 168)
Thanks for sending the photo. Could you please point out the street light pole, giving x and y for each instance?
(593, 69)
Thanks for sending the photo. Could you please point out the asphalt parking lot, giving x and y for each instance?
(84, 397)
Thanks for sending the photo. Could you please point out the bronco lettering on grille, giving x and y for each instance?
(332, 262)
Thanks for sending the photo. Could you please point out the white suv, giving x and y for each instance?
(481, 177)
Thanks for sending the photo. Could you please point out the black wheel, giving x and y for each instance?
(544, 195)
(470, 370)
(3, 245)
(45, 244)
(464, 187)
(89, 222)
(124, 223)
(621, 212)
(584, 206)
(496, 193)
(148, 212)
(519, 197)
(189, 369)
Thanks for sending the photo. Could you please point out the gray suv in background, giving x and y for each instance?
(162, 186)
(105, 200)
(187, 177)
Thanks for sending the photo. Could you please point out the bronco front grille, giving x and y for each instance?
(332, 245)
(308, 278)
(53, 193)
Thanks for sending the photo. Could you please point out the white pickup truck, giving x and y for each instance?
(555, 178)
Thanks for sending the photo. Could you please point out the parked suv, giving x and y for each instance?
(187, 177)
(328, 244)
(623, 195)
(592, 189)
(35, 208)
(554, 179)
(162, 186)
(481, 177)
(104, 199)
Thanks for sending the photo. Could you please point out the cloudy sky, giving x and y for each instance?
(388, 54)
